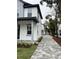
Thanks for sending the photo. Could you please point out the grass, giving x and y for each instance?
(25, 53)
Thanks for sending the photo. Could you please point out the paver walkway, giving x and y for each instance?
(47, 49)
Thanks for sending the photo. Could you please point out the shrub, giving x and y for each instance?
(24, 45)
(39, 39)
(36, 43)
(19, 44)
(27, 45)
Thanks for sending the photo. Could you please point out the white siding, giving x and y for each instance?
(25, 12)
(36, 30)
(34, 12)
(20, 8)
(39, 28)
(23, 30)
(36, 27)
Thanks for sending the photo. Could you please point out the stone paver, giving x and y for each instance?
(47, 49)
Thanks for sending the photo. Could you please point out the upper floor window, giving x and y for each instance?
(17, 14)
(29, 12)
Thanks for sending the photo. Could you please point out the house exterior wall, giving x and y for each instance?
(34, 12)
(36, 27)
(20, 9)
(35, 31)
(39, 29)
(23, 30)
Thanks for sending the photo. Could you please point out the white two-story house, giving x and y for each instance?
(28, 21)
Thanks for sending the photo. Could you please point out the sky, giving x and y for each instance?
(44, 10)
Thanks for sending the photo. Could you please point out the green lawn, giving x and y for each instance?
(25, 53)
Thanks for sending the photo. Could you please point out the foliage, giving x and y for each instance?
(50, 27)
(36, 43)
(56, 4)
(51, 3)
(39, 39)
(24, 45)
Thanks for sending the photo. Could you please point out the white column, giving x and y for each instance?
(32, 26)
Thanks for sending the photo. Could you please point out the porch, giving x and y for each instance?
(27, 28)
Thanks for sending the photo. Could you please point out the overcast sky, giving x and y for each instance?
(44, 10)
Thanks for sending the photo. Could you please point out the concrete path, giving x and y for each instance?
(47, 49)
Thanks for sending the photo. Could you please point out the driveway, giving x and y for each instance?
(47, 49)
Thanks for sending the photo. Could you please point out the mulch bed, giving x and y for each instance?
(58, 40)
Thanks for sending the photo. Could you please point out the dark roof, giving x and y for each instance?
(28, 5)
(27, 18)
(25, 3)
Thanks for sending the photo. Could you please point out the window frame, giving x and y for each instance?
(29, 29)
(29, 14)
(17, 14)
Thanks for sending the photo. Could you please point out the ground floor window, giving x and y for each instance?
(28, 29)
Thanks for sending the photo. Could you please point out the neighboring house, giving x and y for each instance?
(28, 21)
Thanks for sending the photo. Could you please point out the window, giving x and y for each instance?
(29, 12)
(28, 28)
(17, 14)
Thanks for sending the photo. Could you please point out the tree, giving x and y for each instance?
(56, 4)
(50, 26)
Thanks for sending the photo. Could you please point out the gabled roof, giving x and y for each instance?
(25, 3)
(28, 5)
(35, 5)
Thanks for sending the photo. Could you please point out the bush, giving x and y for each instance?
(19, 44)
(24, 45)
(27, 45)
(39, 39)
(36, 43)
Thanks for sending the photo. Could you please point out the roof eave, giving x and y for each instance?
(27, 18)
